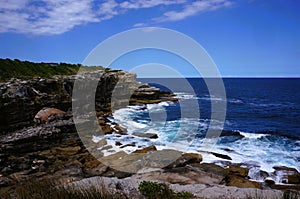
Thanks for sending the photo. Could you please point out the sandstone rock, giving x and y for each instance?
(46, 115)
(211, 168)
(192, 157)
(294, 179)
(122, 162)
(107, 129)
(186, 158)
(146, 135)
(94, 167)
(182, 176)
(146, 149)
(239, 171)
(240, 182)
(66, 151)
(283, 168)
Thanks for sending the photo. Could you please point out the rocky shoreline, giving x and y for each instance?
(51, 149)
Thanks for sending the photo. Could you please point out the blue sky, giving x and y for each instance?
(251, 38)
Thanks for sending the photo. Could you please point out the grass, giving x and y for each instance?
(48, 190)
(27, 70)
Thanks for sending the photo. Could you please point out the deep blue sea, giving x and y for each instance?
(262, 124)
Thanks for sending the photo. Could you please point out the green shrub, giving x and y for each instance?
(156, 190)
(184, 195)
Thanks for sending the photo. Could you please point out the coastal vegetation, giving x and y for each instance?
(27, 70)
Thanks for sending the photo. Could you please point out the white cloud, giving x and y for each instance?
(193, 9)
(48, 17)
(45, 16)
(148, 3)
(139, 25)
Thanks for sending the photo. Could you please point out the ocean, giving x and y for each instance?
(261, 128)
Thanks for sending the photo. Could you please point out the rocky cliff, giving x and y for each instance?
(20, 99)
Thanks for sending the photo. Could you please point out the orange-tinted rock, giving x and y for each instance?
(146, 150)
(237, 170)
(45, 115)
(240, 182)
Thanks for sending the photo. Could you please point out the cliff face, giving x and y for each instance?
(53, 150)
(20, 100)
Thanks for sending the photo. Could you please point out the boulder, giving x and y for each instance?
(269, 181)
(239, 171)
(47, 115)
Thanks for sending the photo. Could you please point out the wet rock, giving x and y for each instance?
(226, 157)
(126, 145)
(146, 135)
(117, 143)
(269, 181)
(283, 174)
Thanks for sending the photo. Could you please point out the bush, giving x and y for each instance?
(156, 190)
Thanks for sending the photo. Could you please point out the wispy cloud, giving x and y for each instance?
(45, 16)
(139, 25)
(193, 9)
(50, 17)
(148, 3)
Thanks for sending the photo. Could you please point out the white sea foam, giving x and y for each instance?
(252, 135)
(185, 96)
(235, 101)
(180, 135)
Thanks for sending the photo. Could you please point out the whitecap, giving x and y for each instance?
(252, 135)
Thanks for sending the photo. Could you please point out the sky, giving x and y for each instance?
(245, 38)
